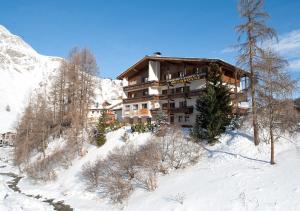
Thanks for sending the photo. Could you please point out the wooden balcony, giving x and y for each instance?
(186, 110)
(191, 93)
(144, 112)
(141, 86)
(230, 80)
(141, 99)
(187, 78)
(242, 96)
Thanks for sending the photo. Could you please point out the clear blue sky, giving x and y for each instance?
(121, 32)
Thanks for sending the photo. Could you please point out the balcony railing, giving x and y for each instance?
(186, 110)
(141, 99)
(144, 112)
(140, 86)
(187, 78)
(242, 97)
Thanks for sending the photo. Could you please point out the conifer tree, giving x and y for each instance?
(101, 128)
(214, 107)
(252, 32)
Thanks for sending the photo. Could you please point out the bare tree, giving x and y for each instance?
(275, 90)
(250, 35)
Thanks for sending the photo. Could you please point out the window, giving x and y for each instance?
(127, 108)
(186, 118)
(182, 104)
(145, 92)
(144, 105)
(92, 112)
(180, 90)
(135, 107)
(179, 118)
(132, 82)
(144, 79)
(131, 95)
(167, 76)
(164, 92)
(172, 105)
(165, 105)
(187, 89)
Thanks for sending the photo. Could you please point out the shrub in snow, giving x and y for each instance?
(91, 174)
(177, 151)
(179, 197)
(129, 166)
(7, 108)
(44, 168)
(125, 137)
(141, 128)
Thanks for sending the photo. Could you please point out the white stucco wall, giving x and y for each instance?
(153, 91)
(154, 71)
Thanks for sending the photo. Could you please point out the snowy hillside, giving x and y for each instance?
(232, 175)
(22, 70)
(108, 89)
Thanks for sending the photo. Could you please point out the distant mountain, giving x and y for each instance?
(23, 70)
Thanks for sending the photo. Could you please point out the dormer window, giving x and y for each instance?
(145, 80)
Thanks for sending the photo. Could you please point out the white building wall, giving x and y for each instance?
(154, 71)
(153, 91)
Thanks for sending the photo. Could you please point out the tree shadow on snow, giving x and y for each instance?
(234, 134)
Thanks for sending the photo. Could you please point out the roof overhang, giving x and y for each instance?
(146, 59)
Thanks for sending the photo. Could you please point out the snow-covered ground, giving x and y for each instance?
(232, 175)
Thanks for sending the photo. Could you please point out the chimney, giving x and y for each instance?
(158, 54)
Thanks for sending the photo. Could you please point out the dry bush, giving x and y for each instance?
(177, 151)
(125, 160)
(148, 162)
(43, 169)
(129, 166)
(91, 174)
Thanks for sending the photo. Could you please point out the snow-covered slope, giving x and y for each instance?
(22, 69)
(232, 175)
(108, 89)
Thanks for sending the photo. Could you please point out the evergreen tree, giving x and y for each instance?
(103, 123)
(214, 107)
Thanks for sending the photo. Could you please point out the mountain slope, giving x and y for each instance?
(22, 69)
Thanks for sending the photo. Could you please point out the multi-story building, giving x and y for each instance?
(171, 85)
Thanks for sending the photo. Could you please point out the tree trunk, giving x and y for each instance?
(254, 109)
(272, 147)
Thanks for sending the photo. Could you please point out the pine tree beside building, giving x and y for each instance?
(103, 123)
(214, 107)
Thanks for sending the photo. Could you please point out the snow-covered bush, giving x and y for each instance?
(105, 177)
(43, 168)
(122, 170)
(131, 166)
(91, 174)
(177, 150)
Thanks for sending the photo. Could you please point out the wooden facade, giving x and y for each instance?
(172, 85)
